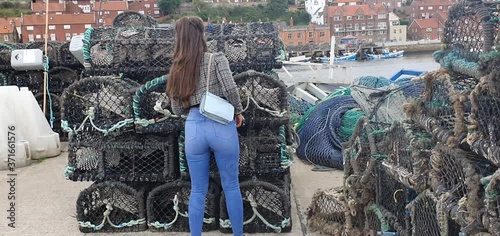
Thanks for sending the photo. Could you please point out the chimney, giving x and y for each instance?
(291, 21)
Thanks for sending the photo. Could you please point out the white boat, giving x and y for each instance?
(386, 54)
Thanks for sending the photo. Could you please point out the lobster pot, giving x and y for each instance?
(491, 216)
(5, 54)
(84, 156)
(31, 79)
(361, 154)
(455, 178)
(151, 103)
(53, 48)
(111, 207)
(468, 32)
(168, 207)
(262, 96)
(61, 78)
(143, 158)
(132, 19)
(263, 202)
(66, 58)
(484, 133)
(428, 217)
(444, 105)
(297, 108)
(133, 51)
(329, 214)
(409, 149)
(391, 199)
(98, 103)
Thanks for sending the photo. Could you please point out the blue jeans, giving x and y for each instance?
(201, 136)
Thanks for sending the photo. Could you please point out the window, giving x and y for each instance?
(394, 31)
(382, 25)
(321, 34)
(429, 8)
(120, 12)
(421, 8)
(52, 27)
(400, 31)
(157, 12)
(440, 7)
(6, 38)
(290, 36)
(361, 17)
(363, 25)
(53, 37)
(87, 26)
(155, 5)
(349, 26)
(67, 26)
(310, 34)
(147, 5)
(38, 36)
(58, 13)
(86, 9)
(31, 38)
(381, 32)
(336, 18)
(381, 16)
(29, 27)
(370, 17)
(349, 17)
(428, 29)
(370, 32)
(356, 26)
(370, 25)
(299, 35)
(142, 12)
(106, 12)
(68, 36)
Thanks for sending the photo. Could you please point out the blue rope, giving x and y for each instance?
(46, 66)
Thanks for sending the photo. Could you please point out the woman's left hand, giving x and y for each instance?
(239, 120)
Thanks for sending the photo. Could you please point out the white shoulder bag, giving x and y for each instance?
(214, 107)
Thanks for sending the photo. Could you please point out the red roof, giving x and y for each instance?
(426, 23)
(432, 3)
(112, 6)
(17, 20)
(59, 19)
(351, 10)
(53, 7)
(5, 26)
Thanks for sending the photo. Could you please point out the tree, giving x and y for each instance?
(169, 7)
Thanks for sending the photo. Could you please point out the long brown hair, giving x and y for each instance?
(190, 47)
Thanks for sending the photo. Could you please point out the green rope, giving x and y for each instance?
(384, 226)
(285, 157)
(349, 121)
(143, 89)
(4, 78)
(377, 132)
(86, 44)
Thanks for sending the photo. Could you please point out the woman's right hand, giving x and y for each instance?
(239, 120)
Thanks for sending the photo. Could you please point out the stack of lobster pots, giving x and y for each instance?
(125, 140)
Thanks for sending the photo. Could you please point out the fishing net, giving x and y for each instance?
(490, 212)
(409, 150)
(103, 104)
(445, 102)
(382, 104)
(484, 131)
(66, 58)
(372, 81)
(52, 50)
(320, 142)
(152, 109)
(111, 207)
(266, 206)
(329, 214)
(428, 217)
(167, 207)
(411, 88)
(455, 178)
(263, 98)
(131, 19)
(60, 78)
(297, 108)
(84, 157)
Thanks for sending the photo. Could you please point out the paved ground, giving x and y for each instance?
(45, 201)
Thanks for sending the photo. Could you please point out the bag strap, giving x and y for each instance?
(209, 70)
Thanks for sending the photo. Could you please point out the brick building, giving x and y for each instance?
(300, 35)
(8, 31)
(344, 2)
(369, 23)
(391, 4)
(108, 11)
(430, 29)
(425, 9)
(146, 7)
(61, 26)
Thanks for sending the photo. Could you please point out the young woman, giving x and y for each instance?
(186, 86)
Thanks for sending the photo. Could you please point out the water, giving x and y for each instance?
(347, 71)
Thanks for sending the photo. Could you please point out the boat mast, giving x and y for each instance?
(332, 55)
